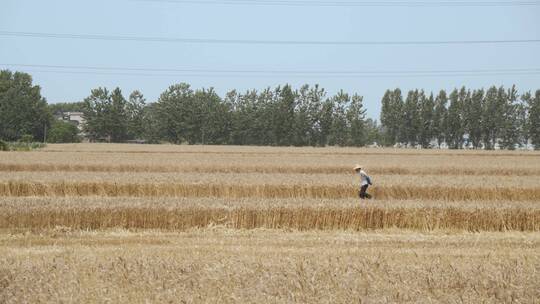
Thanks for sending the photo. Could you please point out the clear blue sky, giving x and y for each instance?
(138, 18)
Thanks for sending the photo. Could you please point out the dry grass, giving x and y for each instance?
(234, 266)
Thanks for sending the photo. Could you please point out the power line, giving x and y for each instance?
(351, 3)
(141, 69)
(137, 71)
(288, 76)
(255, 41)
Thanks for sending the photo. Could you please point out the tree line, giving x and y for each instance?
(281, 116)
(464, 118)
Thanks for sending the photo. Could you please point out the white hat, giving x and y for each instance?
(357, 167)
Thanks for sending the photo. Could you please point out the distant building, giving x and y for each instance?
(75, 118)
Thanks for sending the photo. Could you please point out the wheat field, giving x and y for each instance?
(100, 223)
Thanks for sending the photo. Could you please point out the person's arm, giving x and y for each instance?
(368, 179)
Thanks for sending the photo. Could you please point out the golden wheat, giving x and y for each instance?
(39, 167)
(233, 266)
(252, 224)
(259, 150)
(254, 179)
(17, 188)
(42, 203)
(300, 218)
(256, 159)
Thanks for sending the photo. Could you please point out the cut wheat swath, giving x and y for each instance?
(425, 219)
(17, 188)
(40, 167)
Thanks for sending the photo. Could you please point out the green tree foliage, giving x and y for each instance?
(281, 116)
(440, 117)
(251, 117)
(117, 117)
(303, 121)
(509, 133)
(490, 116)
(392, 118)
(339, 131)
(522, 122)
(195, 117)
(95, 112)
(110, 117)
(374, 132)
(486, 118)
(455, 123)
(134, 110)
(427, 121)
(63, 132)
(524, 116)
(214, 118)
(284, 116)
(533, 105)
(387, 119)
(326, 122)
(22, 109)
(317, 115)
(472, 117)
(412, 117)
(308, 116)
(176, 113)
(151, 124)
(356, 122)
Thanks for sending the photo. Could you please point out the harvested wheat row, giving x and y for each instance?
(107, 189)
(10, 204)
(425, 219)
(269, 151)
(37, 167)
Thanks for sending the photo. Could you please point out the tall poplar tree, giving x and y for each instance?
(387, 119)
(440, 117)
(117, 117)
(284, 116)
(135, 115)
(339, 134)
(392, 117)
(490, 118)
(316, 97)
(302, 119)
(534, 120)
(426, 132)
(411, 116)
(473, 117)
(509, 132)
(455, 130)
(356, 115)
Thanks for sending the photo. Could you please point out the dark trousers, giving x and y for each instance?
(363, 194)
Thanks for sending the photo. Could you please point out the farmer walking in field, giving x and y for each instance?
(365, 181)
